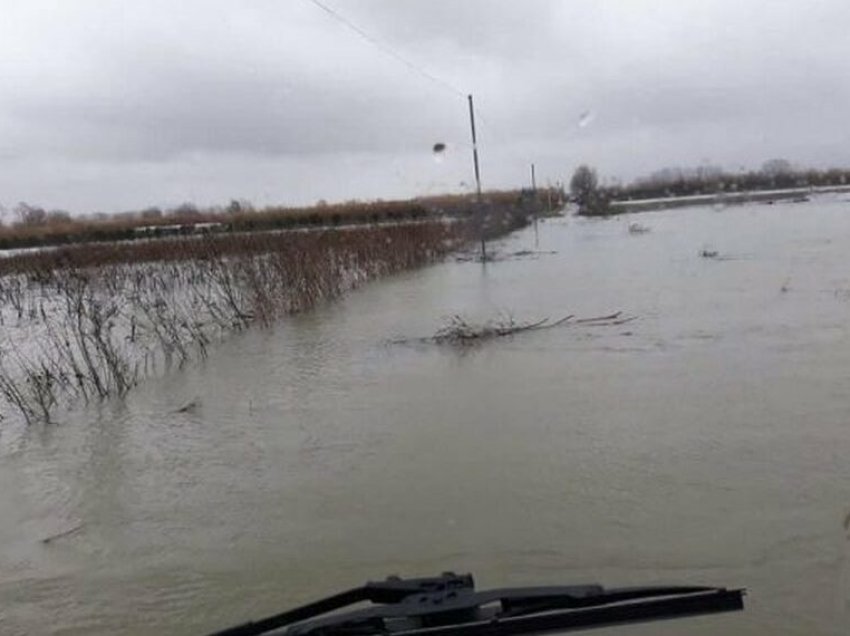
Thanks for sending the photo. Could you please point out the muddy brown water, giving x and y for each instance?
(706, 442)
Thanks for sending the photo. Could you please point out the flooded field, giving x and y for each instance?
(708, 441)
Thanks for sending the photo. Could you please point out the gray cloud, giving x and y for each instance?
(110, 104)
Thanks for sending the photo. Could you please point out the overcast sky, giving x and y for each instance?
(122, 105)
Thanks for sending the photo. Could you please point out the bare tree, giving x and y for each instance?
(776, 167)
(584, 188)
(30, 214)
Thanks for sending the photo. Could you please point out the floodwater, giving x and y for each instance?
(706, 442)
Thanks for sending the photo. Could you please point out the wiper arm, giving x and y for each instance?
(449, 604)
(393, 590)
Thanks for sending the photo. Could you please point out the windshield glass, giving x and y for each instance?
(298, 295)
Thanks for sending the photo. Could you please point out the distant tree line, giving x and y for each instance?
(28, 215)
(775, 174)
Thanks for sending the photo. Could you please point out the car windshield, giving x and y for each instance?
(299, 295)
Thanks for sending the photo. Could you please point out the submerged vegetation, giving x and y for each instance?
(461, 332)
(88, 322)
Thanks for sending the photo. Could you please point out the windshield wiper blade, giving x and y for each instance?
(449, 604)
(393, 590)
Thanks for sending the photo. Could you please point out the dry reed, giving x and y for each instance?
(83, 323)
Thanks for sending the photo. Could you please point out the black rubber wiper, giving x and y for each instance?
(449, 604)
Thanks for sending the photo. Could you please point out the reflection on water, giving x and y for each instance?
(706, 442)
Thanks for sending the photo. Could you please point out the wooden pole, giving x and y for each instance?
(477, 178)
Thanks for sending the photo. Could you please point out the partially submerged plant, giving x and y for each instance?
(85, 323)
(462, 332)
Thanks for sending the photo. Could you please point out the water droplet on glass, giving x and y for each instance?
(439, 152)
(585, 118)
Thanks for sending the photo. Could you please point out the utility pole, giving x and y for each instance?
(534, 207)
(477, 179)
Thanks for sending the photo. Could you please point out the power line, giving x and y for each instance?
(387, 50)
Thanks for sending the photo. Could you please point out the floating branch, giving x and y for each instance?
(459, 331)
(63, 534)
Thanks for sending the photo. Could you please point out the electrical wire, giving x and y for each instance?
(387, 50)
